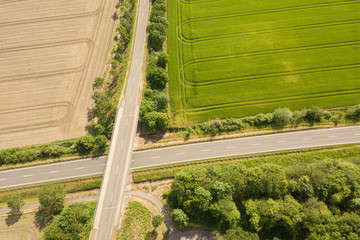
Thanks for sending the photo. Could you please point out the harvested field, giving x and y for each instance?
(235, 58)
(50, 53)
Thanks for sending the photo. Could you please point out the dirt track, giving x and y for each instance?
(50, 53)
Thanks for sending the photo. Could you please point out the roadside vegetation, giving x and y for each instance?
(139, 223)
(304, 200)
(154, 110)
(237, 59)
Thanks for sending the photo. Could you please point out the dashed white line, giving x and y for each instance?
(155, 157)
(111, 198)
(357, 134)
(53, 171)
(334, 136)
(205, 150)
(182, 153)
(281, 141)
(78, 168)
(304, 139)
(231, 147)
(256, 144)
(122, 144)
(3, 179)
(30, 175)
(117, 170)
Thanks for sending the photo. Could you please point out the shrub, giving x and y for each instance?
(162, 100)
(162, 60)
(155, 40)
(313, 115)
(353, 113)
(84, 143)
(179, 218)
(52, 198)
(281, 117)
(157, 78)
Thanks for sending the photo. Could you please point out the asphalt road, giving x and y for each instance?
(112, 191)
(183, 153)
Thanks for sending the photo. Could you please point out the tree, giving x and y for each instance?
(100, 143)
(156, 40)
(162, 102)
(239, 234)
(162, 60)
(281, 117)
(227, 212)
(313, 115)
(157, 78)
(98, 83)
(52, 198)
(84, 143)
(162, 121)
(156, 221)
(179, 218)
(15, 203)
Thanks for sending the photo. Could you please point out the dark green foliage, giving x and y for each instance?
(162, 60)
(155, 40)
(212, 127)
(51, 198)
(179, 218)
(15, 202)
(313, 115)
(157, 78)
(84, 143)
(100, 143)
(156, 221)
(162, 100)
(73, 223)
(98, 83)
(239, 234)
(319, 200)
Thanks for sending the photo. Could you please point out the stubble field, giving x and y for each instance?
(234, 58)
(50, 53)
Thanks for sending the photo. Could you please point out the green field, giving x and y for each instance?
(235, 58)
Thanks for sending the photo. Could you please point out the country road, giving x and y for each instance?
(183, 153)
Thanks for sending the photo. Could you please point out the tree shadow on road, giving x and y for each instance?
(42, 219)
(13, 217)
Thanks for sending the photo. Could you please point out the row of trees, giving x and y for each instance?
(105, 92)
(154, 111)
(278, 119)
(320, 200)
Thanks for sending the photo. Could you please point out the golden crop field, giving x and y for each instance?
(50, 53)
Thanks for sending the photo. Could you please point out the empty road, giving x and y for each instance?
(183, 153)
(112, 192)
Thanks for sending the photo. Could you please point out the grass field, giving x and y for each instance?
(235, 58)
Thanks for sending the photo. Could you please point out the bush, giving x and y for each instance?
(100, 143)
(156, 221)
(84, 143)
(313, 115)
(162, 100)
(155, 40)
(179, 218)
(281, 117)
(162, 60)
(52, 198)
(157, 77)
(353, 113)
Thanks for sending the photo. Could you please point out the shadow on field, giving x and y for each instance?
(42, 219)
(13, 217)
(148, 135)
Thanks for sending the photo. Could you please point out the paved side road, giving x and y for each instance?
(183, 153)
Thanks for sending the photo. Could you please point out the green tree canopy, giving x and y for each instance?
(52, 198)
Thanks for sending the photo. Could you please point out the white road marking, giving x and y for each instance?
(111, 198)
(281, 141)
(53, 171)
(79, 168)
(180, 153)
(131, 100)
(205, 150)
(357, 134)
(122, 144)
(334, 136)
(256, 144)
(117, 170)
(133, 160)
(230, 147)
(306, 139)
(155, 157)
(30, 175)
(3, 179)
